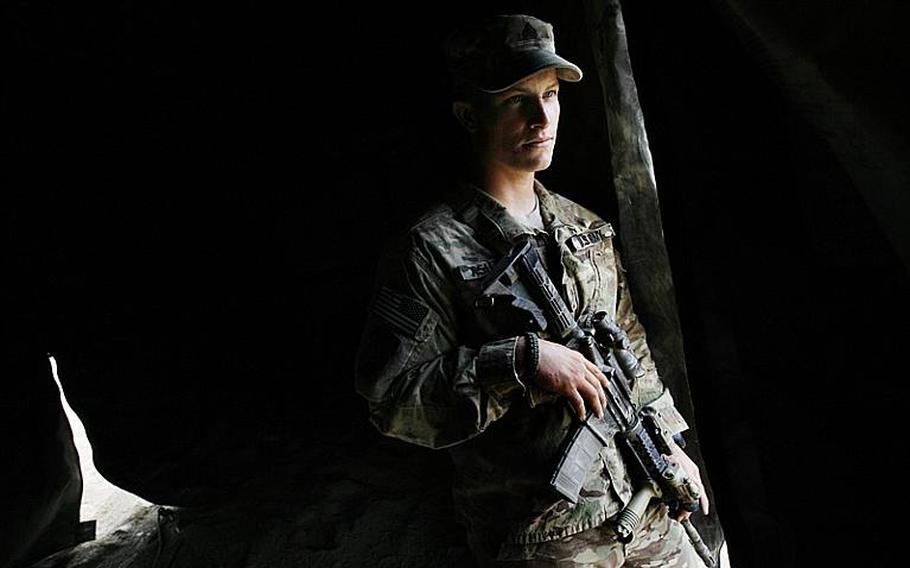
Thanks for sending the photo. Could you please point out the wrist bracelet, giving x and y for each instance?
(532, 355)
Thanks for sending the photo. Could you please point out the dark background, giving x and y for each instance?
(197, 195)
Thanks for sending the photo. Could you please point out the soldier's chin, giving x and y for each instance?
(532, 163)
(543, 163)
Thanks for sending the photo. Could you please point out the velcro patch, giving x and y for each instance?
(473, 271)
(401, 312)
(582, 241)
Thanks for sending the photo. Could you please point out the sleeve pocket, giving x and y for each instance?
(667, 414)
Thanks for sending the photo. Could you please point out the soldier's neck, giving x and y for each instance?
(515, 190)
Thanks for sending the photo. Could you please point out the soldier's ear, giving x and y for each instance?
(466, 115)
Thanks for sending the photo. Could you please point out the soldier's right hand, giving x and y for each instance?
(568, 373)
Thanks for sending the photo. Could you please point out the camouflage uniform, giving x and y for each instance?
(436, 375)
(659, 543)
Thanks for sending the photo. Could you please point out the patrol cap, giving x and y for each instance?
(499, 51)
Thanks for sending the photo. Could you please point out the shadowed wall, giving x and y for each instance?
(197, 198)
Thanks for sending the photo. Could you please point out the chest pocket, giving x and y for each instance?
(591, 264)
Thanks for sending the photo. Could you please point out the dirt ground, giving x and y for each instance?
(382, 515)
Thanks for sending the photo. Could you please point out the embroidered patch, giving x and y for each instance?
(473, 271)
(582, 241)
(402, 313)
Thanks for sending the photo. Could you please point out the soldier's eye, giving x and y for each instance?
(551, 93)
(513, 100)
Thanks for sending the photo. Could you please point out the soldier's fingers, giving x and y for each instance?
(702, 494)
(595, 370)
(599, 387)
(578, 404)
(589, 392)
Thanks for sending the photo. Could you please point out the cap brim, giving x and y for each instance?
(524, 65)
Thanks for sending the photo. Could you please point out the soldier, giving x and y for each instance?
(436, 374)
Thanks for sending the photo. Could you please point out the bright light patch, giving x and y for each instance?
(102, 501)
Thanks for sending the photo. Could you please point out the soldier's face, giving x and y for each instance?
(516, 129)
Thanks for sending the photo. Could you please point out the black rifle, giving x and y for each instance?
(520, 283)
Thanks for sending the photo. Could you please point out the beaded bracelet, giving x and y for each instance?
(532, 349)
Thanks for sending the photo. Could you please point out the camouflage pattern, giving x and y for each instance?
(660, 543)
(500, 51)
(434, 374)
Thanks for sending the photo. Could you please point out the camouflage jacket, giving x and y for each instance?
(434, 377)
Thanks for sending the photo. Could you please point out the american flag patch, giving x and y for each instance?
(403, 313)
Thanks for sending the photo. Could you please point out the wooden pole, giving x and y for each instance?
(644, 252)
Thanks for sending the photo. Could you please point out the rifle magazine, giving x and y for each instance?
(582, 449)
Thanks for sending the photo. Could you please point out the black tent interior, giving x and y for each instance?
(196, 197)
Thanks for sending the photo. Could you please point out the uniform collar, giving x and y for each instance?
(480, 210)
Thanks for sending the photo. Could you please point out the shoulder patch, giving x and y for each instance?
(403, 313)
